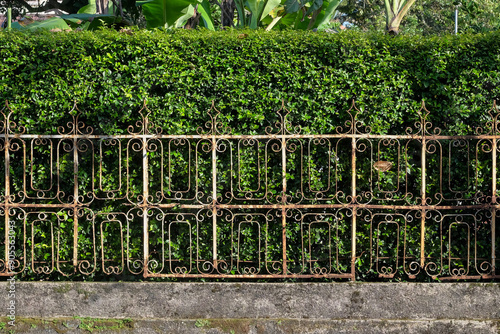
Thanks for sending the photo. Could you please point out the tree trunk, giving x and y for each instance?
(227, 13)
(102, 6)
(395, 12)
(194, 20)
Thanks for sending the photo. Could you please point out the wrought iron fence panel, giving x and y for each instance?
(280, 204)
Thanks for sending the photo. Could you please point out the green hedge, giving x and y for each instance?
(248, 74)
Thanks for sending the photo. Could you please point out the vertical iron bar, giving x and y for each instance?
(494, 202)
(283, 210)
(423, 201)
(145, 186)
(7, 197)
(75, 203)
(214, 199)
(353, 194)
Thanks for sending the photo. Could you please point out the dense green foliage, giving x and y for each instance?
(109, 74)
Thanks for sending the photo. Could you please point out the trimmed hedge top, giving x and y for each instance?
(248, 74)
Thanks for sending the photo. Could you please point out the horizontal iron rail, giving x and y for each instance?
(271, 136)
(269, 206)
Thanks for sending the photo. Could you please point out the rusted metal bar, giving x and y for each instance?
(75, 204)
(265, 137)
(7, 198)
(354, 211)
(493, 201)
(145, 194)
(283, 210)
(250, 276)
(214, 199)
(287, 206)
(423, 202)
(467, 277)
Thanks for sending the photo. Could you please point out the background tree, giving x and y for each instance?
(395, 11)
(227, 8)
(426, 16)
(364, 14)
(374, 14)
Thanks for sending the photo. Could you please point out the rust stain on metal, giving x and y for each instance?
(382, 166)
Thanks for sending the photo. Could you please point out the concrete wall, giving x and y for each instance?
(49, 307)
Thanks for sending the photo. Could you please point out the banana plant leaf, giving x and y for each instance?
(17, 26)
(206, 15)
(164, 13)
(293, 6)
(330, 10)
(260, 9)
(54, 23)
(188, 13)
(83, 21)
(240, 9)
(91, 8)
(293, 15)
(84, 17)
(316, 4)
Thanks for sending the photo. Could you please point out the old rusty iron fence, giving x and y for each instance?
(281, 204)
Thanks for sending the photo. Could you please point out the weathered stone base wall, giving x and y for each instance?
(49, 307)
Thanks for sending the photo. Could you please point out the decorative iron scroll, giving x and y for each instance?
(281, 204)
